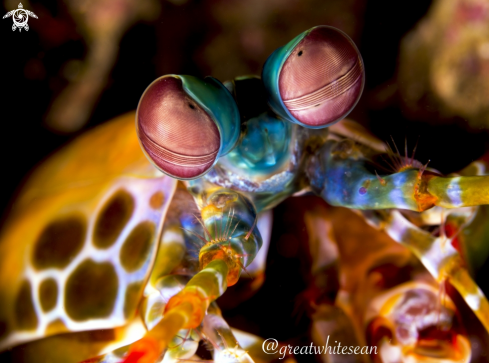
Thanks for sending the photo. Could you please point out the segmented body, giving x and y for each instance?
(100, 239)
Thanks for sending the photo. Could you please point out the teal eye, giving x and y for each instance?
(185, 124)
(316, 79)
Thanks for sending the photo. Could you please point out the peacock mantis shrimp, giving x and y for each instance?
(103, 240)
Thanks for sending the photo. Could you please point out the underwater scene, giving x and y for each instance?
(245, 181)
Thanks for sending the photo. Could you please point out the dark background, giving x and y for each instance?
(220, 38)
(195, 38)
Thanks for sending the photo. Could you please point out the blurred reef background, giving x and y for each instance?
(83, 62)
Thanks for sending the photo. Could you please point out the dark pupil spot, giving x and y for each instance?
(59, 242)
(112, 219)
(48, 294)
(299, 54)
(91, 291)
(191, 106)
(25, 315)
(136, 247)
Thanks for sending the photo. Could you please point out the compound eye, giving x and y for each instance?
(320, 77)
(178, 134)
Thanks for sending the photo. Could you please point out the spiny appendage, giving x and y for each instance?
(397, 162)
(433, 189)
(440, 255)
(225, 243)
(350, 182)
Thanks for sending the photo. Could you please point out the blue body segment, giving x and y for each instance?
(264, 146)
(344, 180)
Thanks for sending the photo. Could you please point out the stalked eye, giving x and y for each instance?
(185, 124)
(316, 79)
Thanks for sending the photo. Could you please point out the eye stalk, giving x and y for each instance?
(184, 124)
(316, 79)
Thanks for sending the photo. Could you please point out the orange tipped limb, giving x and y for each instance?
(150, 348)
(185, 310)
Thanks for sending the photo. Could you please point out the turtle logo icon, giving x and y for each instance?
(20, 17)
